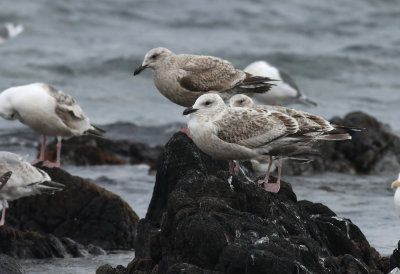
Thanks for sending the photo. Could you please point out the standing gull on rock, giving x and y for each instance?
(47, 111)
(237, 133)
(284, 92)
(309, 124)
(21, 180)
(396, 185)
(182, 78)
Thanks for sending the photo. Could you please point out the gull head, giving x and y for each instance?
(206, 105)
(153, 59)
(6, 109)
(241, 100)
(396, 183)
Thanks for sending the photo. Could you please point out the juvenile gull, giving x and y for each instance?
(22, 179)
(237, 133)
(9, 30)
(47, 111)
(310, 125)
(284, 92)
(182, 78)
(396, 185)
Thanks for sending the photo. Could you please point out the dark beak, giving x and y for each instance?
(189, 110)
(139, 70)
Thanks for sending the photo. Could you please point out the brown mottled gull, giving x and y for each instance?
(236, 133)
(284, 92)
(21, 179)
(310, 125)
(47, 111)
(183, 78)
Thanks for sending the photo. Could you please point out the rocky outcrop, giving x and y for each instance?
(89, 150)
(201, 221)
(372, 150)
(9, 265)
(28, 244)
(83, 212)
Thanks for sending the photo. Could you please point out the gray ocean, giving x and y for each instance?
(344, 55)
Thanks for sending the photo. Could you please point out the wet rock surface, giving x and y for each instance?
(28, 244)
(9, 265)
(83, 218)
(89, 150)
(198, 223)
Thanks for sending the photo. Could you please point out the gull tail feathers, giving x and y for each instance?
(50, 187)
(95, 131)
(348, 128)
(334, 137)
(255, 84)
(305, 101)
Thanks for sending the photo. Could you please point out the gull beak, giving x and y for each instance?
(189, 110)
(139, 69)
(395, 184)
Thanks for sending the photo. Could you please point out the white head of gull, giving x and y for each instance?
(47, 111)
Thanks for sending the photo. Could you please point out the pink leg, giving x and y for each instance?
(57, 163)
(3, 214)
(266, 179)
(41, 156)
(231, 165)
(186, 131)
(274, 187)
(236, 168)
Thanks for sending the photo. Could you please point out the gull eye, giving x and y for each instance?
(241, 101)
(207, 103)
(154, 56)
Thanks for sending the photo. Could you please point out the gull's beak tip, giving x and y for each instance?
(189, 110)
(139, 69)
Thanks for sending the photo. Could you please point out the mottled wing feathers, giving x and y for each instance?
(4, 178)
(206, 73)
(61, 97)
(253, 128)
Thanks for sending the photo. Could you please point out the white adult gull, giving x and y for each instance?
(236, 133)
(21, 179)
(284, 92)
(396, 185)
(182, 78)
(47, 111)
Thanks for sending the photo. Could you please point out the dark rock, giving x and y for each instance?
(95, 250)
(89, 150)
(196, 223)
(372, 150)
(83, 212)
(27, 244)
(395, 257)
(9, 265)
(108, 269)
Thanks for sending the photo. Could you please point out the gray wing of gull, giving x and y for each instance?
(67, 108)
(289, 80)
